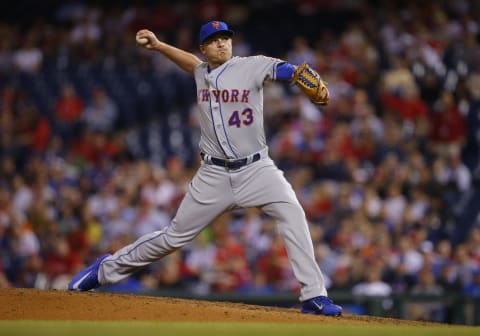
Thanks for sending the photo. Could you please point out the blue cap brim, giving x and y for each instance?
(227, 32)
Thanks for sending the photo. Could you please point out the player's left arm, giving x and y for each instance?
(307, 79)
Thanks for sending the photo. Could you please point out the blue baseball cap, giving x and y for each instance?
(213, 27)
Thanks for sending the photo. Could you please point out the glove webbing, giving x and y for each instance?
(307, 81)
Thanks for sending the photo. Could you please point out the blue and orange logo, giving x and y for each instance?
(215, 25)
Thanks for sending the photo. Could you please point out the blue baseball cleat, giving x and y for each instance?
(321, 305)
(87, 278)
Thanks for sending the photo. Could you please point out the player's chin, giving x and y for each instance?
(223, 56)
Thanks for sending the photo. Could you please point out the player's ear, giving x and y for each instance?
(202, 49)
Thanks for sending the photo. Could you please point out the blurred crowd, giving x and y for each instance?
(98, 140)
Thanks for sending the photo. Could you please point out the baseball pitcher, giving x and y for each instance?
(235, 171)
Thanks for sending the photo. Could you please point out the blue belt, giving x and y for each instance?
(230, 164)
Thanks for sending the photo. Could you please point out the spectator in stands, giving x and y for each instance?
(373, 284)
(409, 108)
(472, 289)
(473, 244)
(86, 28)
(406, 261)
(93, 147)
(28, 58)
(447, 126)
(394, 207)
(61, 262)
(258, 285)
(274, 264)
(149, 218)
(118, 222)
(170, 272)
(300, 52)
(159, 189)
(32, 130)
(433, 310)
(100, 112)
(199, 262)
(68, 110)
(230, 264)
(460, 175)
(365, 117)
(464, 265)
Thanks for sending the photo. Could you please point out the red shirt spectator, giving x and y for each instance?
(93, 147)
(409, 107)
(33, 130)
(61, 261)
(69, 107)
(448, 124)
(230, 263)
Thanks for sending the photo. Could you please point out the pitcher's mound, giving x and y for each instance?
(34, 304)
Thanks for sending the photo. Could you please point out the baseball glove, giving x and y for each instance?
(311, 85)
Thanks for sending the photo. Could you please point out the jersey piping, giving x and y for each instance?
(214, 128)
(221, 115)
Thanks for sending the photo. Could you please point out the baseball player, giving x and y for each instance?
(235, 169)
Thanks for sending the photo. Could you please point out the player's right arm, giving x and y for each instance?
(185, 60)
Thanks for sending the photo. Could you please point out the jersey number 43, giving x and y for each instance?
(238, 118)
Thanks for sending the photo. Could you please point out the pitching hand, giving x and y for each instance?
(147, 39)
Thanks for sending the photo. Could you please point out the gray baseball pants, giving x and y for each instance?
(212, 191)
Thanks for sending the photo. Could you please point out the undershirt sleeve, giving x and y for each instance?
(284, 71)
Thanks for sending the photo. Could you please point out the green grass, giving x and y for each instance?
(121, 328)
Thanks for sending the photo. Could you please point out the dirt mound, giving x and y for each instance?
(33, 304)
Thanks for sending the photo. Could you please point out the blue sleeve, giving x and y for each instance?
(284, 71)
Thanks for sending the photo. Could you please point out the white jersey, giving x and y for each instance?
(230, 98)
